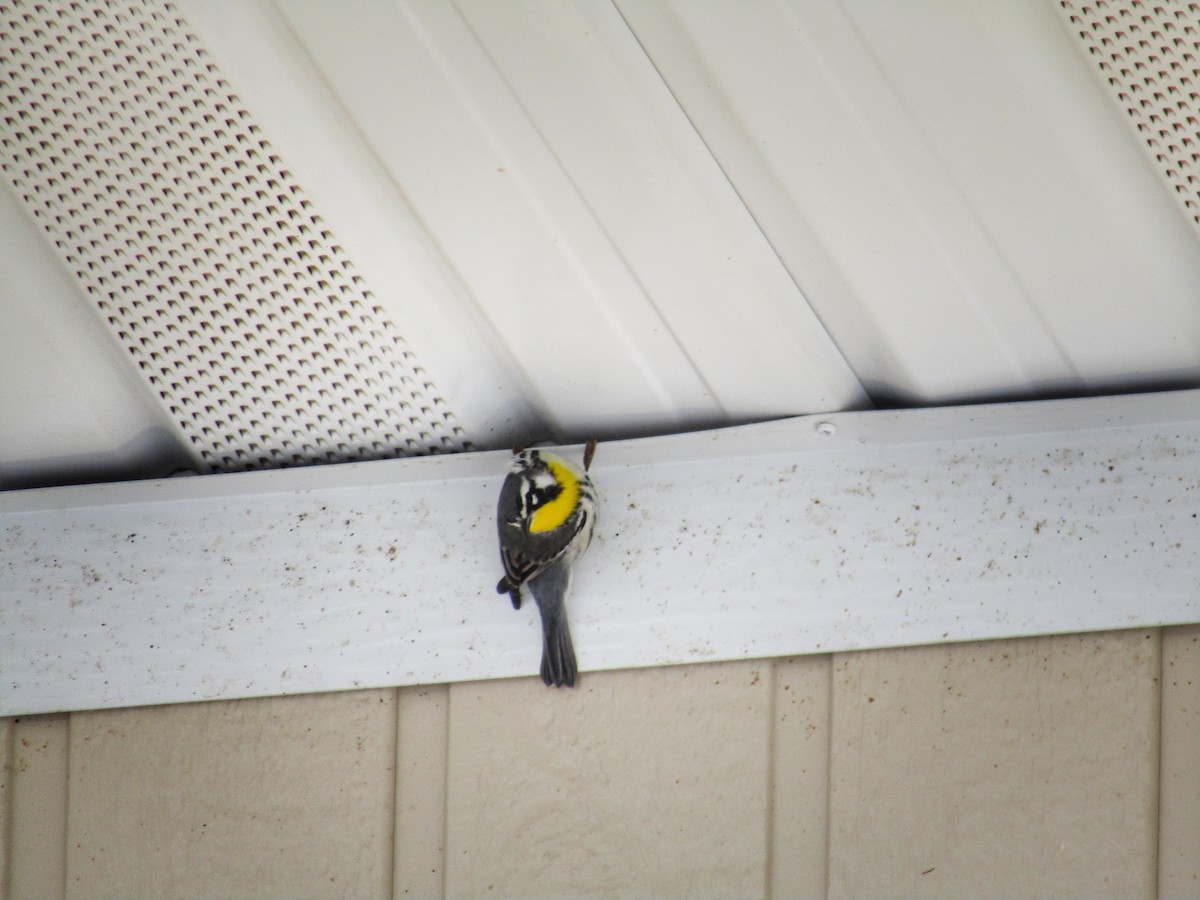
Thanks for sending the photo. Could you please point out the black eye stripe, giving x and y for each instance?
(536, 497)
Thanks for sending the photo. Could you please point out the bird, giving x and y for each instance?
(545, 516)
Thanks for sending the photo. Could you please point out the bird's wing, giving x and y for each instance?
(520, 567)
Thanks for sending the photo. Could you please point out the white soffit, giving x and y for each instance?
(949, 183)
(71, 407)
(846, 531)
(197, 247)
(321, 232)
(589, 230)
(1149, 55)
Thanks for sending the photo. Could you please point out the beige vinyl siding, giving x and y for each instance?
(1033, 762)
(1179, 809)
(1015, 768)
(36, 781)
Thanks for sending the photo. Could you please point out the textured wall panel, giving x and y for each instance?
(288, 797)
(640, 784)
(37, 813)
(1007, 769)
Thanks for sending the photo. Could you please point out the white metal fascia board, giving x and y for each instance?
(855, 530)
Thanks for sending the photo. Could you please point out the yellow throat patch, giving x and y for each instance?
(558, 510)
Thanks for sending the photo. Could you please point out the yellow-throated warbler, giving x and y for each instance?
(546, 515)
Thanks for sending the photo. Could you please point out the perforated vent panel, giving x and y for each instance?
(1149, 52)
(198, 247)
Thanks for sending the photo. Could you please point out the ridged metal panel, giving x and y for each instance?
(325, 232)
(1149, 54)
(197, 246)
(949, 184)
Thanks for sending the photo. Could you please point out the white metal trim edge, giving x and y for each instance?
(843, 531)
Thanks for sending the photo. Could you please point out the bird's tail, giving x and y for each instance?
(549, 589)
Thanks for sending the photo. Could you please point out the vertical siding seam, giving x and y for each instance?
(390, 875)
(1156, 824)
(8, 766)
(446, 737)
(830, 722)
(66, 813)
(772, 799)
(1179, 727)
